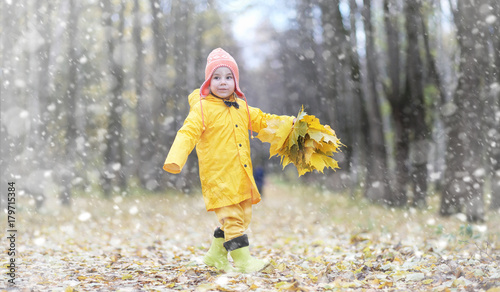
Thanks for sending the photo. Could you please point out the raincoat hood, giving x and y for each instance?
(194, 98)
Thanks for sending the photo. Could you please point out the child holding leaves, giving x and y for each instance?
(218, 125)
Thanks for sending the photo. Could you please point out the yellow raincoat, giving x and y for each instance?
(223, 149)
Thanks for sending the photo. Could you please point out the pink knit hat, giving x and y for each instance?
(220, 58)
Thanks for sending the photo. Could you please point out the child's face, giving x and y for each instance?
(222, 82)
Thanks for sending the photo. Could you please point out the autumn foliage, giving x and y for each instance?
(316, 241)
(307, 143)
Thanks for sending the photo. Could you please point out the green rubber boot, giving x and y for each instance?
(243, 261)
(217, 254)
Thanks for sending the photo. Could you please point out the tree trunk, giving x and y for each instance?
(335, 99)
(358, 120)
(377, 188)
(464, 176)
(113, 156)
(307, 58)
(402, 151)
(181, 51)
(417, 114)
(432, 72)
(345, 116)
(39, 101)
(330, 63)
(67, 171)
(41, 78)
(145, 148)
(435, 79)
(493, 134)
(292, 83)
(8, 64)
(399, 106)
(179, 105)
(161, 129)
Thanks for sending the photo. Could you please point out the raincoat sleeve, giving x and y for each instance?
(187, 137)
(259, 119)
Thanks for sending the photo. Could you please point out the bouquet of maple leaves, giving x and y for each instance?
(307, 143)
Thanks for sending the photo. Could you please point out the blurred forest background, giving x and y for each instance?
(93, 92)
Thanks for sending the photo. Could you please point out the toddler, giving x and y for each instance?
(218, 125)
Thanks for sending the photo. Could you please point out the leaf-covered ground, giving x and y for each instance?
(316, 241)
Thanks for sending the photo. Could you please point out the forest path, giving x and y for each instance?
(316, 241)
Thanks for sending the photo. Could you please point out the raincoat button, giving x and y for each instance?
(245, 165)
(240, 145)
(236, 126)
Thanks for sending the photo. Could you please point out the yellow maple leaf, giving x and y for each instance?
(316, 135)
(276, 133)
(330, 138)
(302, 170)
(332, 163)
(315, 124)
(285, 161)
(308, 152)
(310, 143)
(318, 162)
